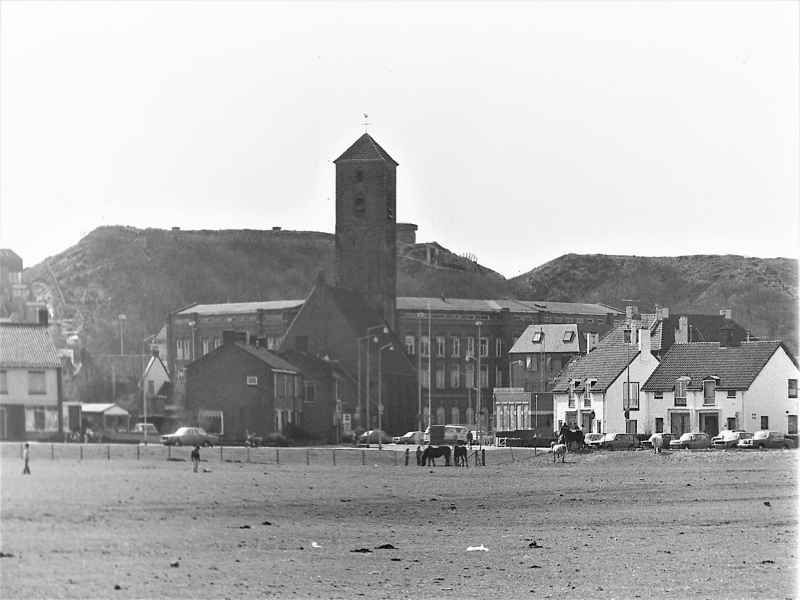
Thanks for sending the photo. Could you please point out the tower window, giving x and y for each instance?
(359, 175)
(359, 206)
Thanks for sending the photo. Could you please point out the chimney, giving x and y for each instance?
(44, 316)
(644, 340)
(664, 313)
(631, 311)
(228, 336)
(682, 332)
(726, 313)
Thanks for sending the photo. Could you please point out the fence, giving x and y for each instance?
(388, 456)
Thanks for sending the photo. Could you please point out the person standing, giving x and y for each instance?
(26, 456)
(196, 458)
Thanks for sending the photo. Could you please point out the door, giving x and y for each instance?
(679, 423)
(709, 423)
(586, 421)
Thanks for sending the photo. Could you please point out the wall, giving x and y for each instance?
(18, 388)
(614, 419)
(768, 395)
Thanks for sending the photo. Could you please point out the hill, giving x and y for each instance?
(762, 292)
(146, 273)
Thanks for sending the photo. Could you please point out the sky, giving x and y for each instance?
(524, 131)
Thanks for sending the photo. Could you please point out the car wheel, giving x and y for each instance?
(760, 447)
(178, 443)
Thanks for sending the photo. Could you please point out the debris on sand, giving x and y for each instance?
(767, 562)
(534, 544)
(117, 586)
(385, 547)
(175, 564)
(480, 548)
(266, 523)
(767, 504)
(315, 545)
(244, 526)
(6, 555)
(345, 499)
(362, 550)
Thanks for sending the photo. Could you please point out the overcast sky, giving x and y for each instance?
(523, 131)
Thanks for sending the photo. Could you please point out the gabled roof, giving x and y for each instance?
(24, 345)
(572, 308)
(155, 361)
(604, 363)
(109, 409)
(736, 366)
(366, 148)
(313, 366)
(552, 339)
(271, 359)
(231, 308)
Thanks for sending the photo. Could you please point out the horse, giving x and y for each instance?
(658, 444)
(572, 438)
(460, 456)
(559, 450)
(433, 452)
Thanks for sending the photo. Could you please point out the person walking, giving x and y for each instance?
(196, 458)
(26, 456)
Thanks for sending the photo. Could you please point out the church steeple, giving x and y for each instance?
(366, 253)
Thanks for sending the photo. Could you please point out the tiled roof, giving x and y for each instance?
(27, 346)
(312, 366)
(572, 308)
(552, 339)
(736, 366)
(604, 363)
(269, 358)
(366, 148)
(230, 308)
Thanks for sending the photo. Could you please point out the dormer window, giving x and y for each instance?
(537, 337)
(568, 335)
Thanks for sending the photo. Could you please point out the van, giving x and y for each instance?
(455, 434)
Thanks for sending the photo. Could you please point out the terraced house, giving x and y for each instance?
(708, 386)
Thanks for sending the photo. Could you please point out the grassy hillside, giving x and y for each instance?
(761, 291)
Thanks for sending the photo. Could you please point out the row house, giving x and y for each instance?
(708, 386)
(600, 391)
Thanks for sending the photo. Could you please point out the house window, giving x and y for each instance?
(410, 345)
(659, 425)
(3, 382)
(630, 396)
(469, 376)
(272, 342)
(630, 426)
(424, 346)
(455, 415)
(498, 377)
(440, 346)
(36, 382)
(484, 376)
(680, 393)
(587, 399)
(455, 379)
(571, 399)
(205, 342)
(440, 377)
(470, 347)
(310, 390)
(455, 346)
(38, 418)
(765, 422)
(484, 347)
(731, 393)
(792, 388)
(792, 426)
(626, 336)
(498, 347)
(151, 387)
(658, 395)
(731, 423)
(423, 377)
(252, 381)
(440, 415)
(537, 337)
(709, 392)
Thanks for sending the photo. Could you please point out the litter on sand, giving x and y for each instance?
(480, 548)
(315, 545)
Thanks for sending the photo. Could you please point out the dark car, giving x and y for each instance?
(619, 441)
(767, 439)
(691, 441)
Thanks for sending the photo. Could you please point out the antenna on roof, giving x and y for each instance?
(365, 123)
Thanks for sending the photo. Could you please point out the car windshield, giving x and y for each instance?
(183, 430)
(686, 437)
(761, 435)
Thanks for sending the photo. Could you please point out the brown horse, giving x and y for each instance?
(433, 452)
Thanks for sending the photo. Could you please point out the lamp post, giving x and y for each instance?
(122, 319)
(369, 339)
(429, 369)
(420, 316)
(478, 382)
(380, 391)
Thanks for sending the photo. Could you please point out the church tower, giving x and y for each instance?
(366, 254)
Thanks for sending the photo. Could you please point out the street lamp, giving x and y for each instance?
(369, 338)
(420, 316)
(380, 392)
(122, 319)
(478, 324)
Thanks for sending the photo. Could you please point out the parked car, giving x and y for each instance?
(691, 441)
(619, 441)
(372, 436)
(593, 440)
(666, 438)
(411, 437)
(729, 438)
(189, 436)
(766, 439)
(146, 427)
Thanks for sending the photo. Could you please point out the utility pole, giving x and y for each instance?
(478, 378)
(420, 316)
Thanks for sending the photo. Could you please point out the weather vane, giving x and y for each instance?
(365, 123)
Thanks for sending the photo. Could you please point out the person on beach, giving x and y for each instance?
(26, 456)
(196, 458)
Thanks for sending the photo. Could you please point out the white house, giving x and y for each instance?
(156, 383)
(600, 390)
(30, 383)
(712, 386)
